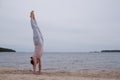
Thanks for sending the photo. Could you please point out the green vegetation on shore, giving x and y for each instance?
(110, 51)
(6, 50)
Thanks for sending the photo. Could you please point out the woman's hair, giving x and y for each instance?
(32, 62)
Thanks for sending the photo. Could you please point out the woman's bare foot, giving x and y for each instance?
(32, 14)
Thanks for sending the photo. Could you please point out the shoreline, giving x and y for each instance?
(26, 74)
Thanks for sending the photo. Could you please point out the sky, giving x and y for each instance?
(66, 25)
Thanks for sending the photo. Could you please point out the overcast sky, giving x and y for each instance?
(66, 25)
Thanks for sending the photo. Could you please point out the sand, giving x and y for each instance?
(17, 74)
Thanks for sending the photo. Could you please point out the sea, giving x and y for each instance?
(63, 60)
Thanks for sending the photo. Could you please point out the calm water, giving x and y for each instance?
(63, 61)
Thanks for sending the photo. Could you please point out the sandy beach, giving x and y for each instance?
(17, 74)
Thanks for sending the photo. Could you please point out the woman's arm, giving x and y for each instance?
(34, 65)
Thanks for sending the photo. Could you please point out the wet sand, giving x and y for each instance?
(17, 74)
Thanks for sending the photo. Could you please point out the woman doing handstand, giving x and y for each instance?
(38, 43)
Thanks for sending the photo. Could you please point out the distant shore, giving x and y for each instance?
(6, 50)
(13, 74)
(110, 51)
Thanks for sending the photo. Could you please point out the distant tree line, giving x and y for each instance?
(110, 51)
(6, 50)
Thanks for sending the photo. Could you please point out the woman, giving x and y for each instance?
(38, 43)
